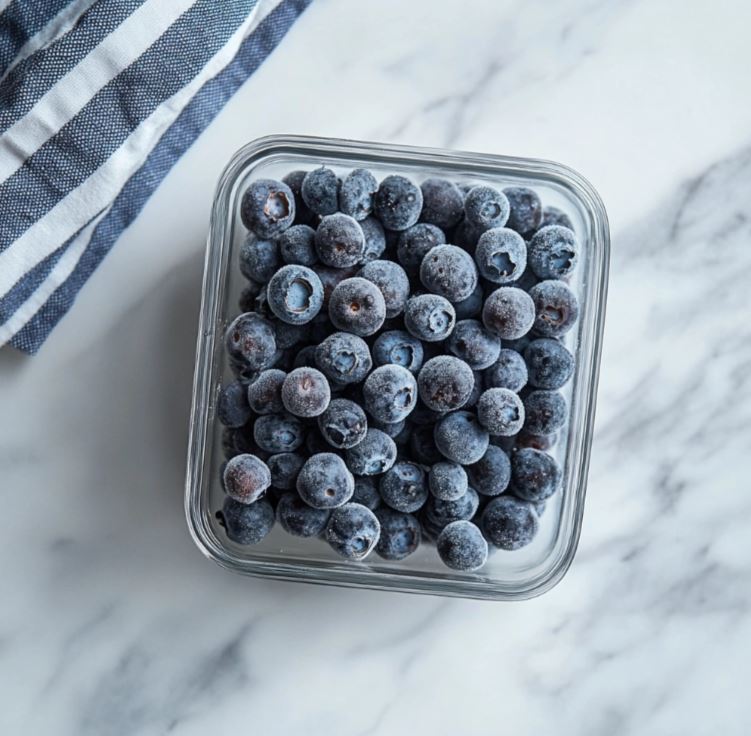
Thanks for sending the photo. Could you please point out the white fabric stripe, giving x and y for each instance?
(57, 27)
(61, 103)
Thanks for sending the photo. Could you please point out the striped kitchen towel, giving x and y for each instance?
(98, 99)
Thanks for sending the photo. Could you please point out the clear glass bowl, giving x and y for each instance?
(507, 575)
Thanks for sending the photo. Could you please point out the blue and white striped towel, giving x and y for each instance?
(98, 99)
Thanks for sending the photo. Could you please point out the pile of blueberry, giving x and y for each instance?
(397, 362)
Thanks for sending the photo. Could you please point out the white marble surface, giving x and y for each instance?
(112, 622)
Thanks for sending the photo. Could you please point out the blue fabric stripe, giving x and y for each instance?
(176, 140)
(87, 141)
(31, 78)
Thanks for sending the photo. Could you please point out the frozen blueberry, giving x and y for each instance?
(501, 255)
(400, 348)
(398, 203)
(556, 308)
(305, 357)
(344, 358)
(429, 317)
(305, 392)
(442, 203)
(422, 445)
(509, 371)
(400, 534)
(343, 424)
(545, 411)
(353, 531)
(246, 478)
(501, 412)
(416, 242)
(297, 246)
(375, 239)
(267, 207)
(471, 306)
(248, 296)
(404, 487)
(553, 252)
(554, 216)
(284, 468)
(509, 312)
(486, 207)
(461, 546)
(440, 513)
(278, 433)
(460, 437)
(526, 209)
(392, 429)
(295, 294)
(447, 481)
(549, 363)
(390, 278)
(325, 482)
(232, 408)
(299, 519)
(390, 393)
(466, 235)
(474, 344)
(240, 441)
(366, 492)
(491, 474)
(357, 305)
(536, 441)
(449, 271)
(320, 191)
(250, 341)
(445, 383)
(373, 456)
(331, 278)
(477, 388)
(535, 475)
(288, 335)
(259, 259)
(509, 522)
(246, 523)
(303, 214)
(265, 393)
(357, 192)
(340, 241)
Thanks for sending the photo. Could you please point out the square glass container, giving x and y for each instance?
(507, 575)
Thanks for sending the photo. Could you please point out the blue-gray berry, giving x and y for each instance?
(415, 242)
(486, 207)
(357, 305)
(303, 214)
(509, 371)
(442, 203)
(250, 340)
(325, 482)
(447, 481)
(398, 202)
(390, 393)
(546, 411)
(400, 348)
(461, 546)
(299, 519)
(525, 213)
(305, 392)
(509, 313)
(553, 252)
(340, 241)
(477, 346)
(246, 478)
(259, 258)
(375, 239)
(265, 393)
(373, 456)
(440, 512)
(501, 412)
(353, 531)
(491, 474)
(422, 445)
(501, 255)
(232, 408)
(535, 475)
(449, 271)
(556, 308)
(460, 437)
(297, 246)
(366, 492)
(344, 358)
(284, 468)
(295, 294)
(509, 523)
(246, 523)
(343, 424)
(471, 306)
(549, 363)
(554, 216)
(392, 281)
(404, 487)
(429, 317)
(267, 207)
(278, 433)
(445, 383)
(400, 534)
(357, 193)
(320, 191)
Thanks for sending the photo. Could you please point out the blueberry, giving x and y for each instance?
(404, 487)
(265, 393)
(267, 207)
(295, 294)
(297, 246)
(246, 523)
(501, 255)
(373, 456)
(366, 493)
(445, 383)
(461, 546)
(306, 357)
(393, 283)
(305, 392)
(471, 306)
(474, 344)
(398, 348)
(422, 445)
(284, 468)
(554, 216)
(288, 335)
(415, 242)
(442, 203)
(461, 438)
(246, 478)
(278, 433)
(375, 239)
(400, 534)
(486, 207)
(509, 312)
(527, 280)
(491, 474)
(340, 241)
(303, 214)
(357, 305)
(320, 191)
(553, 252)
(343, 424)
(466, 235)
(546, 412)
(299, 519)
(325, 482)
(449, 271)
(248, 296)
(250, 341)
(556, 307)
(344, 358)
(392, 429)
(331, 278)
(509, 371)
(440, 513)
(549, 363)
(232, 408)
(240, 441)
(353, 531)
(398, 203)
(447, 481)
(477, 388)
(501, 412)
(526, 209)
(357, 193)
(509, 523)
(259, 259)
(429, 317)
(390, 393)
(536, 441)
(535, 475)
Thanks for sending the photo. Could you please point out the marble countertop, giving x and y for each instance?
(112, 623)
